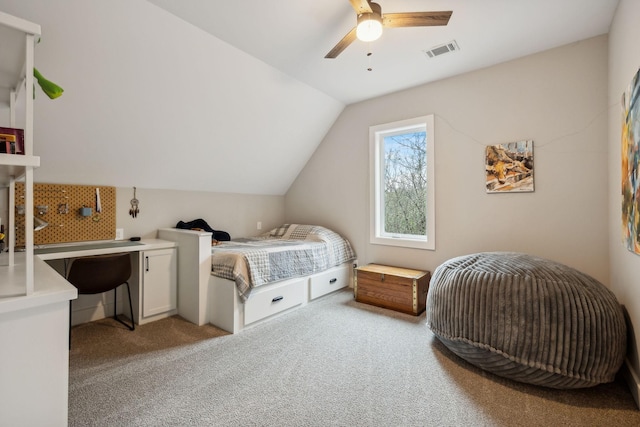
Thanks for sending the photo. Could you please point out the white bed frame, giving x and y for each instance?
(205, 298)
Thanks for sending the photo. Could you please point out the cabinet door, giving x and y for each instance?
(159, 283)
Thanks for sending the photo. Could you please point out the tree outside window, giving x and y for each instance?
(402, 183)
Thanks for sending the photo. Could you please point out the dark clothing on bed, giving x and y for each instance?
(202, 224)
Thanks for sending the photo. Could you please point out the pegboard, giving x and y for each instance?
(66, 224)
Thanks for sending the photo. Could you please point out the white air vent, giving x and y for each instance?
(442, 49)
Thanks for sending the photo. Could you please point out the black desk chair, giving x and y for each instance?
(98, 274)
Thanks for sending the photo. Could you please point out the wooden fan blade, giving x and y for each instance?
(416, 19)
(342, 44)
(360, 6)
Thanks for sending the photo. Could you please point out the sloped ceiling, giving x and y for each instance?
(235, 96)
(294, 35)
(154, 102)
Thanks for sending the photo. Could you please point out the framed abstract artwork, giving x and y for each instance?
(630, 188)
(509, 167)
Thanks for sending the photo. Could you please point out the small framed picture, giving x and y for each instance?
(509, 167)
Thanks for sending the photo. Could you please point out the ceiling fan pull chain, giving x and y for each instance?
(370, 68)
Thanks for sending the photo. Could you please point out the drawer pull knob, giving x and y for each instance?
(276, 299)
(332, 281)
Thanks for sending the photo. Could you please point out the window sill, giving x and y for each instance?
(403, 242)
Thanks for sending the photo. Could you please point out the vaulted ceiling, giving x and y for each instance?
(235, 96)
(294, 36)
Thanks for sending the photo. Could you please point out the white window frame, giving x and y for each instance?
(376, 160)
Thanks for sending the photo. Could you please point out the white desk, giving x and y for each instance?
(49, 286)
(34, 334)
(34, 337)
(77, 250)
(160, 298)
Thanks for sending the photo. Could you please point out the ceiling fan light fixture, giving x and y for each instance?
(369, 26)
(370, 22)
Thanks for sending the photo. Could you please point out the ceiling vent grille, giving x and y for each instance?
(452, 46)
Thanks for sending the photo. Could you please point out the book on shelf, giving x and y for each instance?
(11, 140)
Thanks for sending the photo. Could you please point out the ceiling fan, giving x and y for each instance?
(371, 21)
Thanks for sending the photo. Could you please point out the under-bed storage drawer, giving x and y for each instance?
(274, 300)
(329, 281)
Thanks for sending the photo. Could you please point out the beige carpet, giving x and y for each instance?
(107, 341)
(334, 362)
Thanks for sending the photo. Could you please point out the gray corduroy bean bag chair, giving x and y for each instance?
(527, 319)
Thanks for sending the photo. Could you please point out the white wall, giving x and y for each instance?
(624, 60)
(237, 214)
(556, 98)
(155, 102)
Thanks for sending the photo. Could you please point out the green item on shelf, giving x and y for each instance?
(51, 89)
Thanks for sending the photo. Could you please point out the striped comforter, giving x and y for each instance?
(292, 250)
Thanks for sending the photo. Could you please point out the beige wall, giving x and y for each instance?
(624, 60)
(557, 98)
(237, 214)
(153, 101)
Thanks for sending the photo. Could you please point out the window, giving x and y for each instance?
(402, 183)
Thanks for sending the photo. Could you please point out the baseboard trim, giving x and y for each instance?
(91, 314)
(633, 380)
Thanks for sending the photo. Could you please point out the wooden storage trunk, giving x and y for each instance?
(396, 288)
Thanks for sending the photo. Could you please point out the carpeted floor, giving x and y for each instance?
(335, 362)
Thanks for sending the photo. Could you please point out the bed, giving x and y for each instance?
(243, 282)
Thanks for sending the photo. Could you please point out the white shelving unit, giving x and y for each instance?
(17, 42)
(34, 299)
